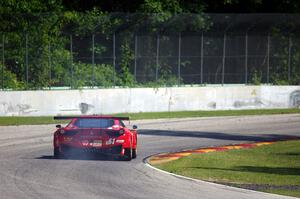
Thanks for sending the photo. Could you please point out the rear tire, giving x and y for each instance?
(57, 154)
(134, 153)
(128, 154)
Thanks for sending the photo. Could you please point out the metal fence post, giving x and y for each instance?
(289, 58)
(71, 59)
(223, 60)
(93, 60)
(135, 54)
(268, 59)
(26, 58)
(179, 58)
(114, 57)
(246, 58)
(3, 61)
(50, 65)
(157, 57)
(201, 62)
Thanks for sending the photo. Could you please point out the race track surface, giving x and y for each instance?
(27, 169)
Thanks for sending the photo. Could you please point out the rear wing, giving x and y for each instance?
(90, 116)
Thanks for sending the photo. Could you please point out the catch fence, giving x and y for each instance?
(139, 50)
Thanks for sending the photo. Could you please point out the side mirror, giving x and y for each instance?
(58, 126)
(134, 127)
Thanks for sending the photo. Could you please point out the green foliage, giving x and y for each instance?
(278, 79)
(255, 77)
(160, 6)
(126, 78)
(251, 6)
(295, 63)
(295, 80)
(30, 6)
(31, 34)
(61, 67)
(91, 22)
(9, 79)
(188, 6)
(99, 75)
(167, 81)
(105, 76)
(48, 25)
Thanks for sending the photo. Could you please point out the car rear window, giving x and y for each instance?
(93, 123)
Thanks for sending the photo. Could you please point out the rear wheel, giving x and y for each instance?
(134, 153)
(57, 154)
(127, 154)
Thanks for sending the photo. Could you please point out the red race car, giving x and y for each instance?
(97, 134)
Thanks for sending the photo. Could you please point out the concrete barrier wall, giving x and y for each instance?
(105, 101)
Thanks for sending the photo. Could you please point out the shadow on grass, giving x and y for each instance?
(216, 135)
(289, 154)
(257, 169)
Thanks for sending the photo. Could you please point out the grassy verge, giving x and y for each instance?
(153, 115)
(8, 121)
(273, 168)
(185, 114)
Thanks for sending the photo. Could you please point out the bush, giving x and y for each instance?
(101, 75)
(8, 80)
(256, 77)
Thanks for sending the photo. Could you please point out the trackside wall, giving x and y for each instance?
(118, 100)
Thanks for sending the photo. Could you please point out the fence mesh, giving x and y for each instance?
(143, 50)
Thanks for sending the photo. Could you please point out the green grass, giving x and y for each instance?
(295, 193)
(276, 165)
(8, 121)
(185, 114)
(153, 115)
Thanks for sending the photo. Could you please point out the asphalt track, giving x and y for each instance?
(27, 169)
